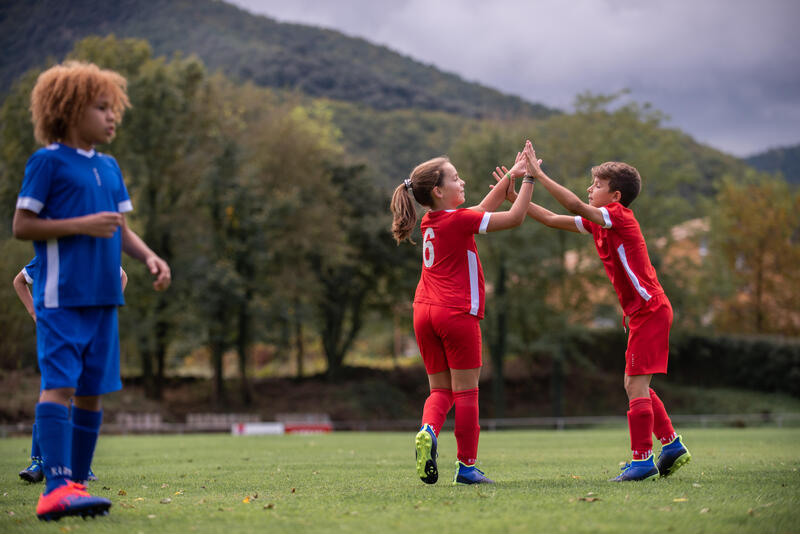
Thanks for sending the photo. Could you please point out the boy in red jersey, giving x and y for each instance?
(622, 249)
(449, 301)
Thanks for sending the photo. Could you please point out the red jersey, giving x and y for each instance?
(452, 275)
(623, 251)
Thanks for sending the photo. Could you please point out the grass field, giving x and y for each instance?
(740, 480)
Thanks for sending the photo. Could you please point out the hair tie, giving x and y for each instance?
(407, 181)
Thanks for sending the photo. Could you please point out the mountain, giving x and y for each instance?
(314, 61)
(785, 160)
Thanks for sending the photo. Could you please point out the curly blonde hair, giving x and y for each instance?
(63, 92)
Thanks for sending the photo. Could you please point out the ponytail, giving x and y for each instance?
(405, 215)
(419, 184)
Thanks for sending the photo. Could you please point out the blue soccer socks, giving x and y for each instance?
(55, 442)
(425, 444)
(638, 470)
(673, 456)
(85, 429)
(469, 474)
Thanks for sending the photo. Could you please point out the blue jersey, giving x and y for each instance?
(77, 270)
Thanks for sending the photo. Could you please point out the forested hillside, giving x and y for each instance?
(314, 61)
(785, 160)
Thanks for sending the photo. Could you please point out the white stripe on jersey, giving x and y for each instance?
(30, 204)
(28, 278)
(635, 281)
(474, 294)
(125, 206)
(484, 222)
(606, 217)
(579, 223)
(53, 267)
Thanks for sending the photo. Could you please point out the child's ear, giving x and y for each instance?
(437, 192)
(616, 196)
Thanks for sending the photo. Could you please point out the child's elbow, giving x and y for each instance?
(575, 206)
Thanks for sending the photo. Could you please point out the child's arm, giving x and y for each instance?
(123, 278)
(537, 212)
(497, 195)
(514, 217)
(28, 226)
(564, 196)
(24, 294)
(133, 246)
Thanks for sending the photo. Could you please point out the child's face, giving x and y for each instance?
(98, 122)
(452, 189)
(599, 193)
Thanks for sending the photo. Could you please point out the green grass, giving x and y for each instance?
(740, 480)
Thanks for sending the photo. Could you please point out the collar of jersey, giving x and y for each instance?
(85, 153)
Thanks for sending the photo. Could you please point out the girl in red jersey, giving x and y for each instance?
(448, 303)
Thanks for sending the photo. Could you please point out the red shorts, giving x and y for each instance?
(448, 338)
(648, 340)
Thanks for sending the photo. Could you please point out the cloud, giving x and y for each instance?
(726, 71)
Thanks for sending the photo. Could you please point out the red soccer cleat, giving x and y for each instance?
(70, 499)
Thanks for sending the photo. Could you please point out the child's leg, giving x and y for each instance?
(467, 429)
(55, 437)
(640, 415)
(86, 420)
(662, 426)
(35, 452)
(437, 405)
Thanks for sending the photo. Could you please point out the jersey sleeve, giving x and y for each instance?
(474, 221)
(29, 271)
(614, 215)
(36, 183)
(123, 200)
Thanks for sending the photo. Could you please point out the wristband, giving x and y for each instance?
(528, 179)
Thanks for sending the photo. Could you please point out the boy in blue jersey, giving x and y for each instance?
(72, 206)
(22, 283)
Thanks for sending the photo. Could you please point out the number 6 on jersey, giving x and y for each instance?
(427, 247)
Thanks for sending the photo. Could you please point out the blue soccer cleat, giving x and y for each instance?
(34, 472)
(672, 457)
(469, 474)
(638, 470)
(425, 445)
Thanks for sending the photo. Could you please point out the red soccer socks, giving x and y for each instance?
(662, 426)
(640, 425)
(437, 405)
(467, 428)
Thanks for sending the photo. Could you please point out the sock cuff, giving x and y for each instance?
(641, 403)
(87, 418)
(51, 409)
(466, 393)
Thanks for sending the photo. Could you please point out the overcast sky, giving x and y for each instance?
(725, 71)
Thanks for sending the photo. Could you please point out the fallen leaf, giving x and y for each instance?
(164, 485)
(696, 485)
(589, 499)
(179, 492)
(151, 516)
(750, 512)
(139, 499)
(704, 511)
(122, 492)
(293, 490)
(269, 506)
(590, 494)
(166, 500)
(246, 499)
(576, 477)
(680, 499)
(126, 505)
(106, 488)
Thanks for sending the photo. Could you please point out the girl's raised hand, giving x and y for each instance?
(499, 173)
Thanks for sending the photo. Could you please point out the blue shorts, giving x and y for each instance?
(79, 348)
